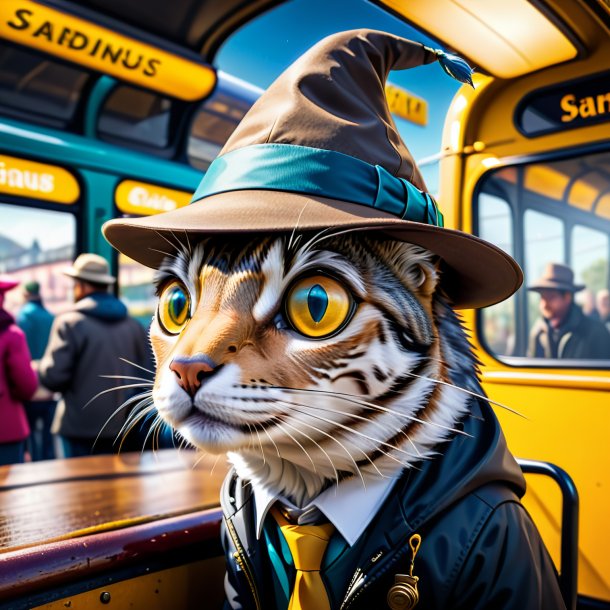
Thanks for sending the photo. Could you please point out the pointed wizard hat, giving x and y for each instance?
(320, 150)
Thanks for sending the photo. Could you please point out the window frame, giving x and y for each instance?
(517, 216)
(180, 117)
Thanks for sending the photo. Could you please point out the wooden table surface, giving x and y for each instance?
(55, 500)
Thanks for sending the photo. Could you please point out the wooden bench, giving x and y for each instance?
(128, 531)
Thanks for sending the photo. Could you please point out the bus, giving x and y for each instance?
(524, 162)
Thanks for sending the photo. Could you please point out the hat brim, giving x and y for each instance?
(94, 278)
(476, 274)
(551, 285)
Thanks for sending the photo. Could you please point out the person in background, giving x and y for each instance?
(85, 361)
(603, 306)
(18, 382)
(564, 331)
(586, 300)
(35, 321)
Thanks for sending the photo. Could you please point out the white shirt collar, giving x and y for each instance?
(349, 506)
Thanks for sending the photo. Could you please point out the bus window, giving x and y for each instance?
(37, 89)
(215, 121)
(138, 117)
(590, 249)
(37, 245)
(496, 225)
(557, 212)
(136, 289)
(544, 244)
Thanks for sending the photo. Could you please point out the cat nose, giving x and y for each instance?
(192, 371)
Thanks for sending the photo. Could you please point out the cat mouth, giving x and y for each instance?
(200, 418)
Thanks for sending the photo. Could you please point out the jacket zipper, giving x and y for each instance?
(242, 562)
(361, 581)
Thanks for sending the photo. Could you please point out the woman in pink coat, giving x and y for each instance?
(18, 382)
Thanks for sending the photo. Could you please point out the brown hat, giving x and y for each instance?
(90, 268)
(556, 277)
(320, 150)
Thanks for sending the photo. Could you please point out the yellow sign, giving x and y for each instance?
(406, 105)
(98, 48)
(585, 107)
(37, 180)
(141, 198)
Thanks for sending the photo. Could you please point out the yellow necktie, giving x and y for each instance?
(307, 544)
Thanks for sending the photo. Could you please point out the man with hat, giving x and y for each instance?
(564, 331)
(89, 342)
(319, 153)
(35, 320)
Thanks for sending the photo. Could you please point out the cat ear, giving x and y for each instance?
(424, 276)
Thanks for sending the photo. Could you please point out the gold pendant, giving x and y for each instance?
(403, 595)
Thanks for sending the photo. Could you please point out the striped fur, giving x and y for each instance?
(296, 414)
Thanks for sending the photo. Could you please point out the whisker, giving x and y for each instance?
(203, 455)
(113, 414)
(134, 419)
(148, 381)
(331, 437)
(137, 365)
(214, 466)
(260, 444)
(352, 431)
(354, 399)
(369, 421)
(277, 420)
(470, 392)
(170, 254)
(178, 247)
(319, 447)
(116, 389)
(274, 444)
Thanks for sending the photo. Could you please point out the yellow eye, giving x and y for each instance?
(174, 306)
(318, 306)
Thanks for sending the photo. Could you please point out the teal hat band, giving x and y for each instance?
(321, 173)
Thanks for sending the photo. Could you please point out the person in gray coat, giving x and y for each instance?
(87, 345)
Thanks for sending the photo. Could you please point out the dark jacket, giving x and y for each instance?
(85, 344)
(479, 551)
(579, 337)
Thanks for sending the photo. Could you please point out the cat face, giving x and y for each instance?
(326, 355)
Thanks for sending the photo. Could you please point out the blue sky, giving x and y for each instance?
(262, 49)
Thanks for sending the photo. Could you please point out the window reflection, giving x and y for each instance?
(36, 247)
(554, 217)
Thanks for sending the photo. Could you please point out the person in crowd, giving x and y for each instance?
(603, 306)
(18, 382)
(35, 321)
(563, 331)
(586, 300)
(89, 360)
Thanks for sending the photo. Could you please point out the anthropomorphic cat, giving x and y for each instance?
(306, 327)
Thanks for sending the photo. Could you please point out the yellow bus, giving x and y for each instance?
(525, 163)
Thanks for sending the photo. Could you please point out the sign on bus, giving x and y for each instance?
(142, 198)
(577, 103)
(406, 105)
(25, 178)
(99, 48)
